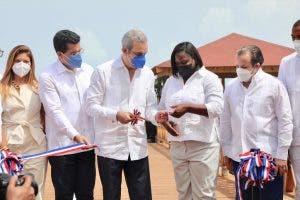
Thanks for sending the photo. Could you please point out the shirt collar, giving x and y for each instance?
(258, 76)
(201, 72)
(118, 63)
(60, 68)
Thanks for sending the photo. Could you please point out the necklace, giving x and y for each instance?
(17, 86)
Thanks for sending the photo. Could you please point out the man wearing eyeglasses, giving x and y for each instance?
(62, 89)
(121, 95)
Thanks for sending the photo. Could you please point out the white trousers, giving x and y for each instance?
(195, 168)
(295, 160)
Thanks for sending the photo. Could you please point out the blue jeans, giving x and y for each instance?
(272, 190)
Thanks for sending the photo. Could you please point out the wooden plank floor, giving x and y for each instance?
(162, 180)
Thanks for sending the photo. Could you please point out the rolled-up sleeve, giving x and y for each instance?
(94, 98)
(285, 122)
(213, 96)
(52, 104)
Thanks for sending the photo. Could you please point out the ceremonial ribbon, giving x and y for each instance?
(257, 167)
(11, 164)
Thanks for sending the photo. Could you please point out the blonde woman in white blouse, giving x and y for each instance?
(22, 116)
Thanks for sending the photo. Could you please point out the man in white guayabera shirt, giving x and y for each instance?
(118, 87)
(289, 74)
(257, 115)
(62, 89)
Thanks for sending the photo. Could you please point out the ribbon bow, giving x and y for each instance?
(257, 167)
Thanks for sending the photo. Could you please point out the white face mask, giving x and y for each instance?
(243, 74)
(297, 46)
(21, 69)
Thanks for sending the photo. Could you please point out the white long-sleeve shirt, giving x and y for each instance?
(203, 87)
(289, 74)
(62, 94)
(256, 117)
(111, 91)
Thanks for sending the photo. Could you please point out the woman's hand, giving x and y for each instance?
(171, 127)
(179, 110)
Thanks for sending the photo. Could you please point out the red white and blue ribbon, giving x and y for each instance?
(257, 167)
(12, 164)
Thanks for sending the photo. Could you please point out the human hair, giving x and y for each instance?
(63, 38)
(255, 53)
(189, 49)
(131, 36)
(297, 23)
(8, 75)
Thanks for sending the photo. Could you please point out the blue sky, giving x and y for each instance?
(101, 24)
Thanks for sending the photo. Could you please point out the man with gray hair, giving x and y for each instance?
(121, 95)
(257, 115)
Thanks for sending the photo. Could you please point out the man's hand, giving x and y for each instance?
(179, 110)
(281, 166)
(161, 116)
(24, 192)
(81, 139)
(229, 164)
(124, 117)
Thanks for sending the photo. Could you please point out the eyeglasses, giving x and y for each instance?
(1, 53)
(78, 52)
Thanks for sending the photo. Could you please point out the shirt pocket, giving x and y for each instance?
(67, 92)
(113, 96)
(195, 95)
(140, 91)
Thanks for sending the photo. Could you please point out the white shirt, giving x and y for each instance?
(257, 117)
(62, 93)
(289, 74)
(111, 91)
(203, 87)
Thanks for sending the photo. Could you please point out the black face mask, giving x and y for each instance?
(186, 71)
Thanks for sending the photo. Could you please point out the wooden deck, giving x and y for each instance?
(162, 179)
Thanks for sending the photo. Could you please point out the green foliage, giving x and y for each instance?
(158, 85)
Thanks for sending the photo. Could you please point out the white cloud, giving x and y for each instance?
(270, 20)
(216, 22)
(94, 53)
